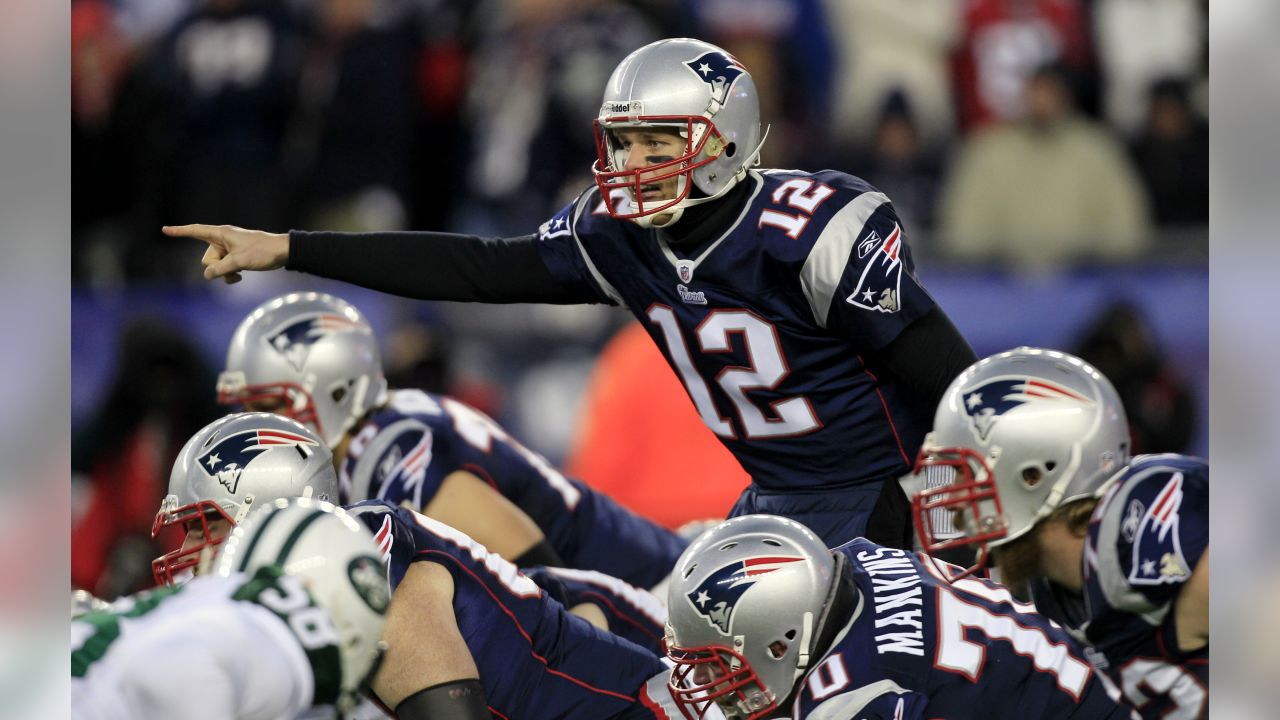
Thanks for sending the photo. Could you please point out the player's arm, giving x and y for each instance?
(471, 505)
(428, 667)
(1192, 608)
(928, 354)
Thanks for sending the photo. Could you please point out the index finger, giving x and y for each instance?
(199, 232)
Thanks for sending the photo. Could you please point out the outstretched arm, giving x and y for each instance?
(422, 265)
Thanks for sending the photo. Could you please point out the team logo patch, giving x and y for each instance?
(370, 582)
(719, 70)
(1157, 550)
(294, 341)
(555, 227)
(406, 461)
(716, 597)
(988, 402)
(880, 285)
(227, 459)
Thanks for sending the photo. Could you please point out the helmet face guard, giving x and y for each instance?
(167, 567)
(294, 400)
(705, 144)
(972, 499)
(704, 676)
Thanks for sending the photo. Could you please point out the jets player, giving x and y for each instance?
(313, 357)
(787, 302)
(766, 622)
(465, 624)
(1113, 548)
(286, 626)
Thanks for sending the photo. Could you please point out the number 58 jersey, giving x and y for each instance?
(919, 646)
(771, 326)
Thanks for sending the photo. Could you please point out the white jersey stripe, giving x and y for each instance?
(604, 284)
(830, 254)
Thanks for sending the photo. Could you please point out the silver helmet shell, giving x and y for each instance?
(1025, 432)
(744, 606)
(235, 464)
(340, 566)
(310, 356)
(696, 89)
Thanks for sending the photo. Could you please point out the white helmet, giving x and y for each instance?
(338, 561)
(692, 87)
(232, 465)
(746, 607)
(1025, 432)
(312, 354)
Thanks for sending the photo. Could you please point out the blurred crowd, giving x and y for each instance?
(1033, 133)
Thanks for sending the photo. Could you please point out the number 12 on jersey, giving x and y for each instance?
(767, 369)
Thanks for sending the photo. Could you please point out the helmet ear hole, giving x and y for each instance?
(1032, 475)
(338, 394)
(777, 648)
(731, 149)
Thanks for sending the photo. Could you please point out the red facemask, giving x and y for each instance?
(703, 675)
(972, 499)
(609, 178)
(294, 401)
(167, 567)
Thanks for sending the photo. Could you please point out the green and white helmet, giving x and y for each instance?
(341, 568)
(1024, 432)
(309, 356)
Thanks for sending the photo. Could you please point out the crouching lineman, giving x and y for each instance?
(314, 357)
(1112, 548)
(765, 622)
(472, 636)
(287, 624)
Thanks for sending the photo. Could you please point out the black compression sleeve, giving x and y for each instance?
(432, 266)
(928, 354)
(456, 700)
(540, 554)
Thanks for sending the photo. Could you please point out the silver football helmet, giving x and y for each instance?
(309, 356)
(339, 564)
(745, 609)
(700, 91)
(1025, 432)
(232, 465)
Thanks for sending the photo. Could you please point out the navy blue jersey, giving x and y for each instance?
(406, 449)
(532, 654)
(1145, 539)
(632, 613)
(771, 327)
(919, 646)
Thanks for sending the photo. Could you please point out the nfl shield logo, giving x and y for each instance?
(685, 271)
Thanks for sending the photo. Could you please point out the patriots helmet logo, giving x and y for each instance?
(717, 596)
(294, 341)
(987, 403)
(227, 459)
(1157, 549)
(719, 70)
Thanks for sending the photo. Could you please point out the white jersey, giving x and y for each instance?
(214, 648)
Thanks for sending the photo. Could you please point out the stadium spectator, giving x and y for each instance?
(1172, 155)
(1169, 44)
(1121, 345)
(1003, 42)
(121, 458)
(893, 46)
(1051, 188)
(641, 443)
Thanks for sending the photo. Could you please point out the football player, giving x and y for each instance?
(766, 622)
(1114, 549)
(287, 624)
(465, 623)
(787, 302)
(314, 357)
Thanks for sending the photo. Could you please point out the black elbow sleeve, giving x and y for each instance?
(454, 700)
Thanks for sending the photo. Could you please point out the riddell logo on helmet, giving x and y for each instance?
(630, 107)
(716, 597)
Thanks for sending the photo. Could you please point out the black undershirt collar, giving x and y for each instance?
(701, 225)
